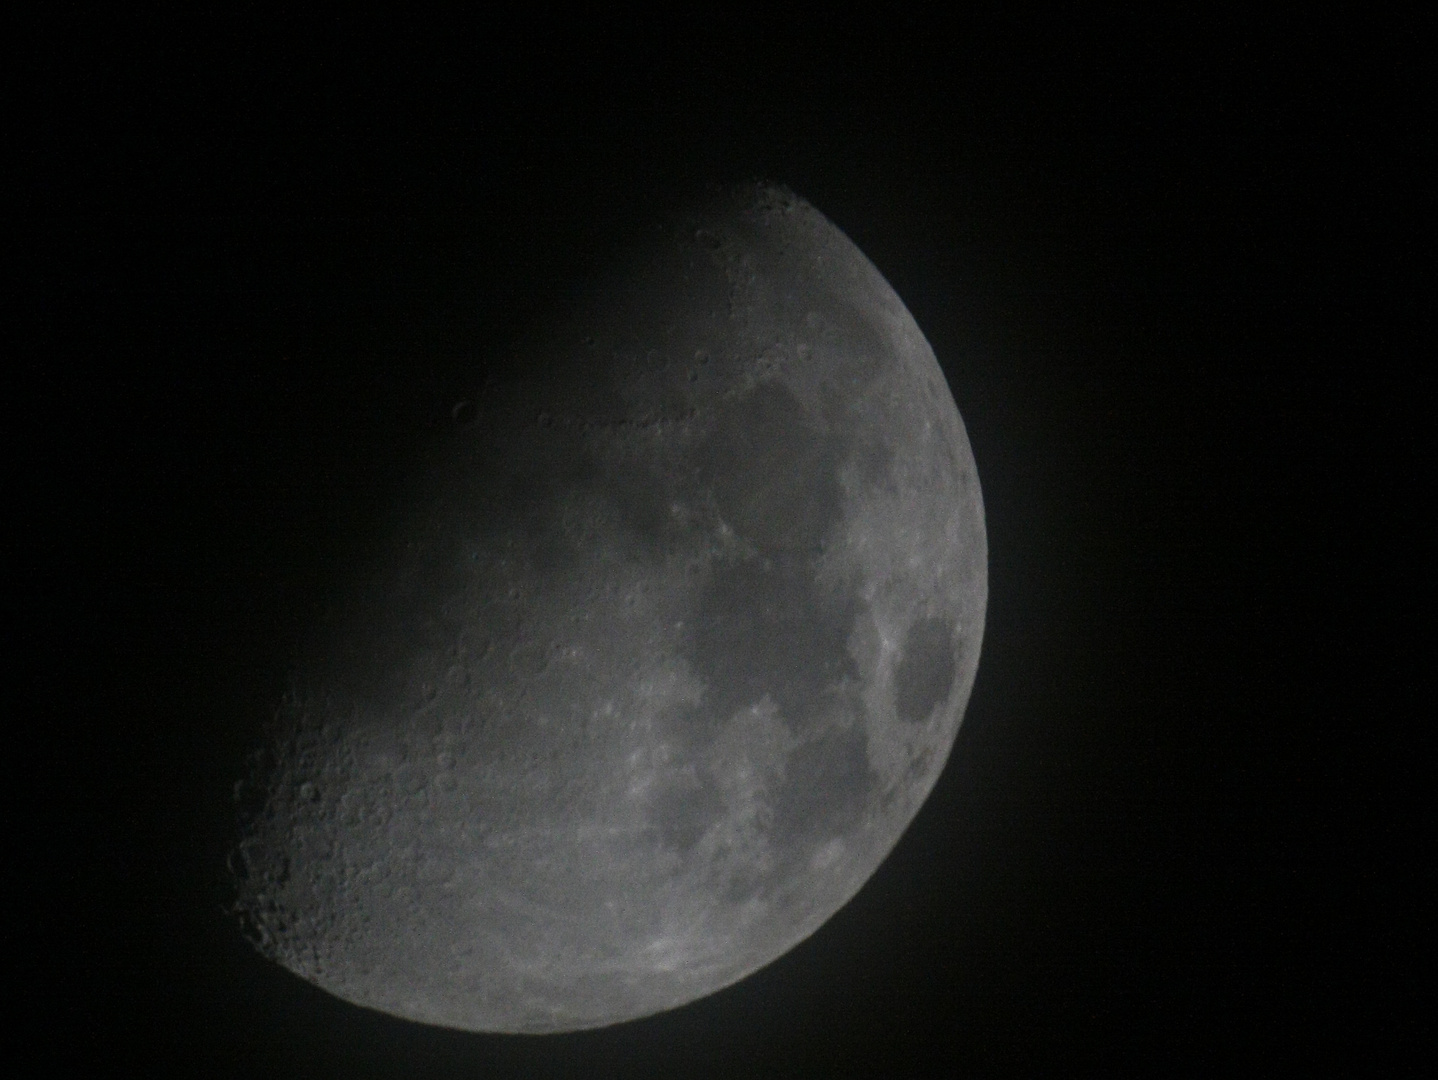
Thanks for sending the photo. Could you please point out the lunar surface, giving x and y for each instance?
(660, 663)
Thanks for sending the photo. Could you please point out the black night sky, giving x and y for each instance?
(1171, 271)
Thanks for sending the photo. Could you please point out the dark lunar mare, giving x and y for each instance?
(925, 678)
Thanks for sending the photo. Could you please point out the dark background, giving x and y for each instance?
(1172, 271)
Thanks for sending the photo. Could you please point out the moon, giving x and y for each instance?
(658, 662)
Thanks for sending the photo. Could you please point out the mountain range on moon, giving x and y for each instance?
(658, 662)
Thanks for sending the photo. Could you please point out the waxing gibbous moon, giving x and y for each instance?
(659, 663)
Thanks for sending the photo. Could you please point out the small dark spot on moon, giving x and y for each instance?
(926, 669)
(463, 413)
(683, 811)
(529, 659)
(775, 479)
(872, 461)
(763, 629)
(826, 786)
(649, 524)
